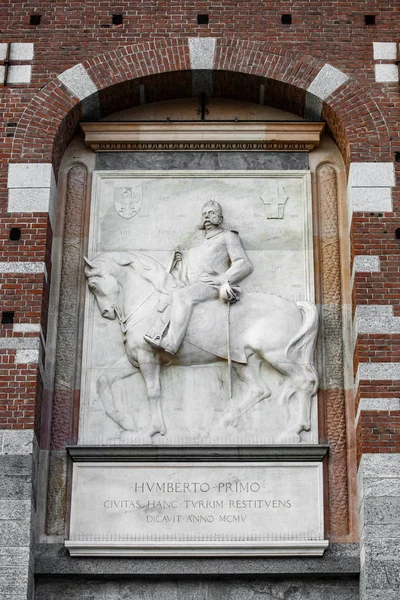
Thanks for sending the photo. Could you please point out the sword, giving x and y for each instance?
(228, 348)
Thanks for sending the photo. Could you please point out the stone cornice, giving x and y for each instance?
(266, 136)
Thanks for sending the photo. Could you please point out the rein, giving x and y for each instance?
(124, 322)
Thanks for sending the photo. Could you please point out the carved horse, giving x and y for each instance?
(128, 286)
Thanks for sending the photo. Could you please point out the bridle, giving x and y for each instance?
(124, 321)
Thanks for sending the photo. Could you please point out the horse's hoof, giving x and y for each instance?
(101, 384)
(128, 423)
(288, 437)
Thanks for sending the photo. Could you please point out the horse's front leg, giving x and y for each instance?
(150, 370)
(116, 409)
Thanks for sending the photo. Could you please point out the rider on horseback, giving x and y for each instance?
(214, 261)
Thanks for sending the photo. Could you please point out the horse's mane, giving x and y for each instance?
(148, 267)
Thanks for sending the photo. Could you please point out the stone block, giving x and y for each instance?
(14, 557)
(376, 319)
(14, 533)
(2, 74)
(379, 371)
(371, 175)
(384, 50)
(17, 441)
(328, 80)
(19, 343)
(14, 580)
(383, 574)
(27, 327)
(30, 175)
(202, 52)
(21, 51)
(386, 73)
(384, 466)
(381, 531)
(381, 549)
(22, 267)
(375, 594)
(29, 200)
(78, 82)
(26, 356)
(367, 264)
(19, 74)
(3, 50)
(372, 199)
(15, 465)
(379, 487)
(381, 510)
(17, 486)
(11, 509)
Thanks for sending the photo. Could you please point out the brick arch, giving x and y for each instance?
(51, 119)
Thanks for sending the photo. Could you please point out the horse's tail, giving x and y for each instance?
(304, 342)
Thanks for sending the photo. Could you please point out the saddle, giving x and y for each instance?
(208, 324)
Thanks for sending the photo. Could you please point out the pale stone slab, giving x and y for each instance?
(376, 319)
(22, 267)
(328, 80)
(371, 174)
(386, 73)
(3, 50)
(377, 199)
(26, 356)
(16, 441)
(30, 175)
(19, 343)
(367, 264)
(379, 371)
(202, 53)
(21, 51)
(380, 465)
(26, 327)
(77, 80)
(210, 508)
(2, 74)
(19, 74)
(384, 50)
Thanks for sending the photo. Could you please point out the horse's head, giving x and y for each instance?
(104, 286)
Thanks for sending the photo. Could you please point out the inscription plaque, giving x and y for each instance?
(209, 508)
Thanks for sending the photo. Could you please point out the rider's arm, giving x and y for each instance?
(241, 266)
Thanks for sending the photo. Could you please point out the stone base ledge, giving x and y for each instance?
(209, 549)
(54, 560)
(271, 453)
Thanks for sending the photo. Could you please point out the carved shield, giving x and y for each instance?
(128, 201)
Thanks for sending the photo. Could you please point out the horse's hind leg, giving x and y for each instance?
(257, 390)
(304, 384)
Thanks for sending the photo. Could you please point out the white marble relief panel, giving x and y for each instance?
(144, 233)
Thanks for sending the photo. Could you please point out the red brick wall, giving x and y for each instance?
(362, 117)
